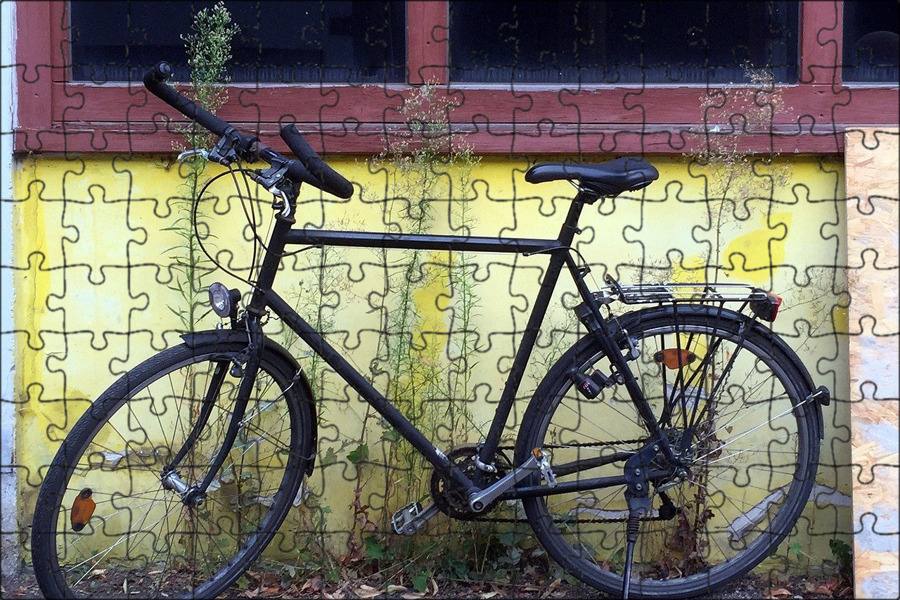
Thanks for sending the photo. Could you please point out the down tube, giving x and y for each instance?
(365, 389)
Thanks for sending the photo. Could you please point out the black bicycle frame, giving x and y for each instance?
(264, 297)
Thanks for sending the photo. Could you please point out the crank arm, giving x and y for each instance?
(479, 500)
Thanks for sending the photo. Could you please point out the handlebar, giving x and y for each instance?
(332, 181)
(155, 81)
(310, 169)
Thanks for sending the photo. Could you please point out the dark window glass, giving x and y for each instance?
(870, 41)
(621, 42)
(279, 42)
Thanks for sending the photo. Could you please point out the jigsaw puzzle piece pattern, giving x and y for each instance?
(675, 230)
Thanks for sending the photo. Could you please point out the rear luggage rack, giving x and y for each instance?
(763, 305)
(650, 293)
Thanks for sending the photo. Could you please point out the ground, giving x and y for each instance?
(752, 586)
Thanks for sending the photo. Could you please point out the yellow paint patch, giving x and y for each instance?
(755, 254)
(429, 300)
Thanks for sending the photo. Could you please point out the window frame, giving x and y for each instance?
(57, 115)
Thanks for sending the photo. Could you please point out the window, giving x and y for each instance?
(621, 42)
(870, 41)
(279, 42)
(608, 76)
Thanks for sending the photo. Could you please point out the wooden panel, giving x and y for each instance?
(356, 118)
(33, 71)
(821, 31)
(873, 187)
(427, 45)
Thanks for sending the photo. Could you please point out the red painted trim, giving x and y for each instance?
(60, 36)
(33, 57)
(821, 32)
(505, 139)
(85, 103)
(79, 117)
(353, 119)
(427, 46)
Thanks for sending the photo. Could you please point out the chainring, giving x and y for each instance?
(453, 501)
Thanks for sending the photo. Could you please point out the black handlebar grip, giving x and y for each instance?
(331, 181)
(160, 73)
(155, 81)
(309, 169)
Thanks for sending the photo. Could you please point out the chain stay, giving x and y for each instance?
(576, 445)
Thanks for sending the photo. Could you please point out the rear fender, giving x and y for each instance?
(780, 349)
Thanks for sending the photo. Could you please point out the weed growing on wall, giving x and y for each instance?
(744, 190)
(427, 346)
(209, 50)
(740, 189)
(740, 185)
(429, 164)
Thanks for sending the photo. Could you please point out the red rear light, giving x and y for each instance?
(776, 304)
(766, 308)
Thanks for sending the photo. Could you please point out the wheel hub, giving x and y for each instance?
(189, 495)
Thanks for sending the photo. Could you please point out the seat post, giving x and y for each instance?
(570, 225)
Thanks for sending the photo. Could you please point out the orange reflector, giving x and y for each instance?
(674, 358)
(82, 509)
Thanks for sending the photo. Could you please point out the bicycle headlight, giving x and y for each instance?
(223, 300)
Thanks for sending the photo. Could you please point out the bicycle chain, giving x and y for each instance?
(578, 445)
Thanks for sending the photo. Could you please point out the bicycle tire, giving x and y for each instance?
(758, 475)
(141, 538)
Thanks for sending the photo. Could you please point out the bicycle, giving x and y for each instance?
(684, 414)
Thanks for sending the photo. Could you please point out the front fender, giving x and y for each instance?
(290, 365)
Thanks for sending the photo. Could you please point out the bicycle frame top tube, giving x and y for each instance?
(558, 249)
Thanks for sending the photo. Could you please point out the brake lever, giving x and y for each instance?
(224, 151)
(186, 154)
(277, 192)
(270, 179)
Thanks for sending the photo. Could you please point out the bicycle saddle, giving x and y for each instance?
(610, 178)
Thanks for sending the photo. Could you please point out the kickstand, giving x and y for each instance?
(638, 506)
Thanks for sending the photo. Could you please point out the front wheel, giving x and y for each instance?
(736, 405)
(112, 518)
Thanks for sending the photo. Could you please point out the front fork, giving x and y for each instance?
(195, 495)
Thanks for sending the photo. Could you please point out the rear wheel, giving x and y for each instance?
(112, 517)
(730, 399)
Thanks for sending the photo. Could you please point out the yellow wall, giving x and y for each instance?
(93, 275)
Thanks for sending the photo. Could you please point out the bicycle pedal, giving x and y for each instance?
(409, 519)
